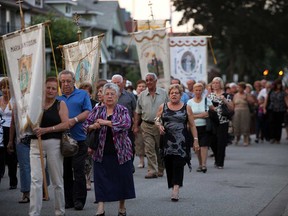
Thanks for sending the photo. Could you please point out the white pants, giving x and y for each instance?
(52, 154)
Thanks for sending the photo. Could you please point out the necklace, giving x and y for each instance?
(47, 106)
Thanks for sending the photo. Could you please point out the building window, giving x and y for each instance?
(68, 9)
(38, 2)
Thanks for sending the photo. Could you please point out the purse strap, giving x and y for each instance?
(206, 104)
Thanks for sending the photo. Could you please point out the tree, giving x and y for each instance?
(63, 31)
(248, 35)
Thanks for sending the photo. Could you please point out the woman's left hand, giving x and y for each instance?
(39, 131)
(101, 121)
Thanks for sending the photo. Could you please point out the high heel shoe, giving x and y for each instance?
(204, 169)
(199, 169)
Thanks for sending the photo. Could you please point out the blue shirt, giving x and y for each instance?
(185, 97)
(77, 103)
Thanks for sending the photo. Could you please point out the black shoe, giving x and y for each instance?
(78, 206)
(67, 206)
(12, 187)
(204, 169)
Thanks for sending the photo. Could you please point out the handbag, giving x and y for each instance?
(68, 146)
(208, 120)
(226, 111)
(92, 139)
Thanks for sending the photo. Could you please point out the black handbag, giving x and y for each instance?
(92, 139)
(208, 120)
(68, 146)
(226, 111)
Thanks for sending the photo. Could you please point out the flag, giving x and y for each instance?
(143, 25)
(82, 58)
(153, 53)
(188, 58)
(25, 61)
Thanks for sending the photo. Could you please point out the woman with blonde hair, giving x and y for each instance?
(220, 139)
(200, 106)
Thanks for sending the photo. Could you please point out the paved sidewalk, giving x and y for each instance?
(253, 182)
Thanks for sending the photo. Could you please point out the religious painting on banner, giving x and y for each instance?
(24, 53)
(188, 58)
(82, 58)
(153, 54)
(143, 25)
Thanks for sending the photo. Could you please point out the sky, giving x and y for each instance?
(140, 9)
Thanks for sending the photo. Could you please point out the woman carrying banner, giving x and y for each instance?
(55, 119)
(113, 178)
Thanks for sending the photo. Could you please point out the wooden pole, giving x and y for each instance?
(21, 14)
(76, 18)
(45, 188)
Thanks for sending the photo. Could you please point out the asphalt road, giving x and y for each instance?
(254, 181)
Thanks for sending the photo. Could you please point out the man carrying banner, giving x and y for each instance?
(147, 106)
(79, 106)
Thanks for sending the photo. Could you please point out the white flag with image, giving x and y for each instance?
(82, 58)
(188, 57)
(153, 54)
(25, 62)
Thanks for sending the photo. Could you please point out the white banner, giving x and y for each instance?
(188, 57)
(25, 61)
(153, 54)
(82, 58)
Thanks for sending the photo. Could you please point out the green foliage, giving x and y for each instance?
(248, 35)
(63, 31)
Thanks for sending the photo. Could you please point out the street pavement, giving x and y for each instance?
(253, 182)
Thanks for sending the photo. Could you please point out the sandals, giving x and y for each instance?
(175, 197)
(122, 212)
(199, 169)
(25, 199)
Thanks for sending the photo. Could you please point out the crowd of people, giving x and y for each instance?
(161, 127)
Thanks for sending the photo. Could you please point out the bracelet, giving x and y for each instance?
(76, 119)
(196, 138)
(53, 128)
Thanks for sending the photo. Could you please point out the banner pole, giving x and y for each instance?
(46, 195)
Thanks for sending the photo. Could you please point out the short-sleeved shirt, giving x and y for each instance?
(148, 106)
(199, 108)
(77, 102)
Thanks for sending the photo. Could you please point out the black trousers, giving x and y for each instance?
(276, 122)
(9, 159)
(219, 143)
(74, 177)
(174, 170)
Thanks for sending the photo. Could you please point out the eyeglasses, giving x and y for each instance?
(66, 81)
(110, 94)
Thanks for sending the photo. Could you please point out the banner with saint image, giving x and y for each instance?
(188, 58)
(153, 54)
(82, 58)
(25, 62)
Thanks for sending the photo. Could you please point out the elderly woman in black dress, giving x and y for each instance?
(172, 119)
(113, 178)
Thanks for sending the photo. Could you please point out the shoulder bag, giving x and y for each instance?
(208, 120)
(68, 146)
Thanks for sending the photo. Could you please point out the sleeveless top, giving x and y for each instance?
(6, 114)
(51, 118)
(176, 141)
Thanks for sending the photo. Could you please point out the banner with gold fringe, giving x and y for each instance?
(82, 58)
(153, 53)
(188, 58)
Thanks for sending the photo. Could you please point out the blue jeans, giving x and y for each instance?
(23, 151)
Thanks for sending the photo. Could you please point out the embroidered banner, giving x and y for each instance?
(82, 58)
(153, 54)
(25, 62)
(188, 58)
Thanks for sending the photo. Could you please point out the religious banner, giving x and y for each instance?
(82, 58)
(153, 54)
(25, 62)
(143, 25)
(188, 58)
